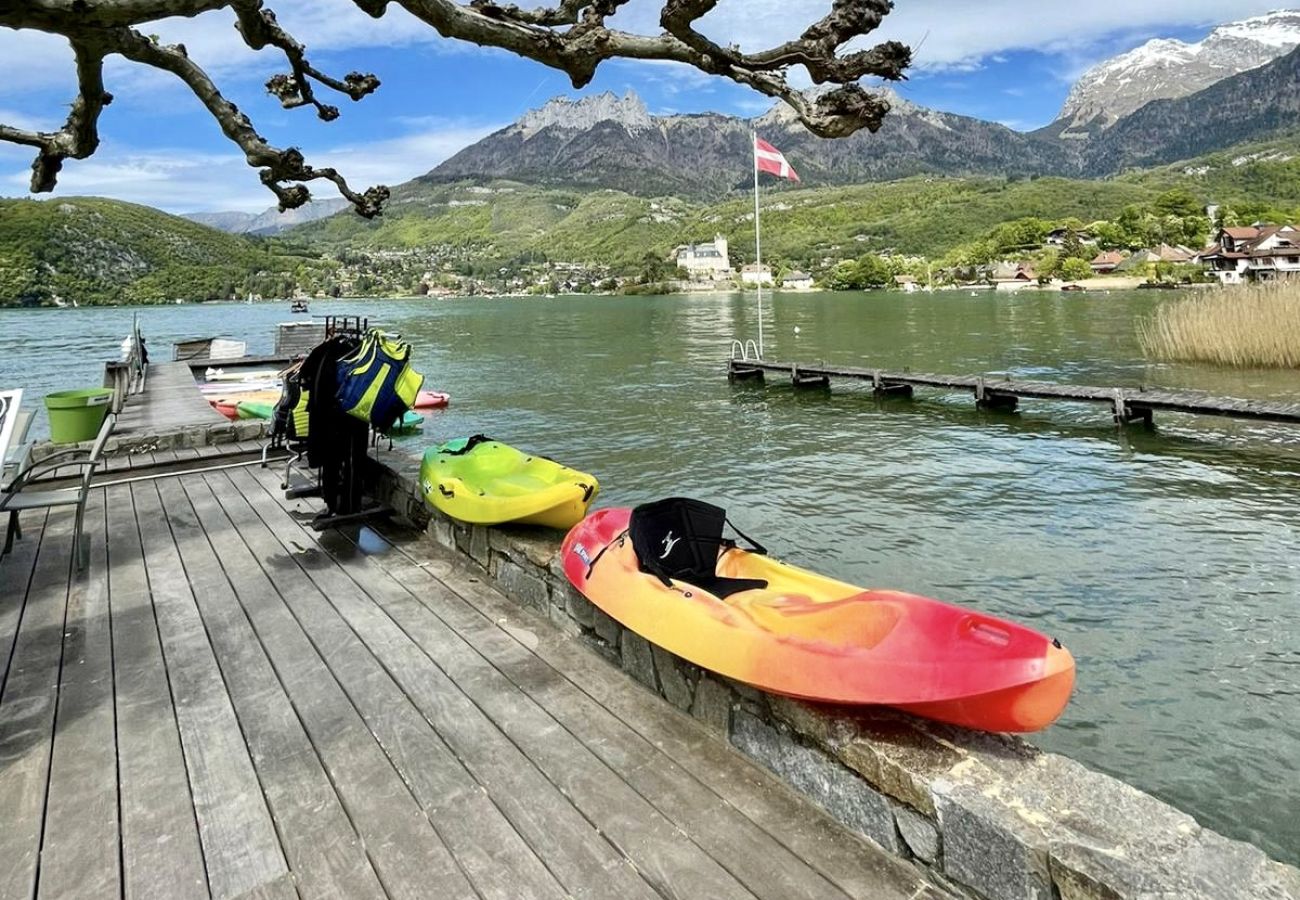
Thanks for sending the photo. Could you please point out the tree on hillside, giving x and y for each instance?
(572, 37)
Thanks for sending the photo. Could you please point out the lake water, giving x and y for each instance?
(1168, 562)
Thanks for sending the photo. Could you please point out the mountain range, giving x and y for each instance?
(1166, 69)
(1162, 102)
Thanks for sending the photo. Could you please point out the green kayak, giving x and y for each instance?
(486, 482)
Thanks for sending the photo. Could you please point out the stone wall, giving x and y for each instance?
(985, 816)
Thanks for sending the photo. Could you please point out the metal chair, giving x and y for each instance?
(17, 497)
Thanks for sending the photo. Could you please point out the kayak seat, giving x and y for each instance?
(679, 539)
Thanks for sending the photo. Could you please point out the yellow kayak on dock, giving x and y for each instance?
(485, 482)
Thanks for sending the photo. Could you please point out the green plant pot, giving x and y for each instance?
(76, 416)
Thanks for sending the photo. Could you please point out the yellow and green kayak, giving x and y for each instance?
(485, 482)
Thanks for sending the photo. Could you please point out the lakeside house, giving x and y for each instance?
(756, 274)
(906, 283)
(1009, 276)
(1058, 236)
(797, 281)
(705, 262)
(1106, 262)
(1253, 253)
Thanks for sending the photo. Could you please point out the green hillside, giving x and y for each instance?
(95, 251)
(1258, 180)
(922, 215)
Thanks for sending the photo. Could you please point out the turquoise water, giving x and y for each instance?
(1168, 562)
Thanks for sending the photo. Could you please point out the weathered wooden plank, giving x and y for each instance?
(406, 852)
(171, 399)
(754, 857)
(759, 858)
(581, 858)
(27, 703)
(497, 860)
(240, 847)
(665, 856)
(161, 854)
(814, 837)
(15, 576)
(323, 850)
(79, 850)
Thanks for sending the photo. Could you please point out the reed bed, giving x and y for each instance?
(1256, 326)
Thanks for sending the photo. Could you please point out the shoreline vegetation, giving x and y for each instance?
(1255, 326)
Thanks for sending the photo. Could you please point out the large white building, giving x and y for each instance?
(1254, 253)
(708, 262)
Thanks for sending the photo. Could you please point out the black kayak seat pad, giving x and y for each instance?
(679, 539)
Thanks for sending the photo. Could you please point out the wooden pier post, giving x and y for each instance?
(802, 380)
(1126, 413)
(883, 388)
(738, 371)
(995, 400)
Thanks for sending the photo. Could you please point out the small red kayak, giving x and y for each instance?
(431, 400)
(793, 632)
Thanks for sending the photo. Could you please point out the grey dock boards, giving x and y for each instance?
(171, 400)
(497, 860)
(1127, 405)
(320, 843)
(79, 848)
(408, 856)
(27, 706)
(161, 854)
(231, 705)
(240, 847)
(695, 795)
(811, 835)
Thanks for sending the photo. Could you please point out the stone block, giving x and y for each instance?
(607, 628)
(898, 758)
(988, 846)
(442, 531)
(920, 833)
(478, 547)
(638, 659)
(559, 617)
(518, 584)
(672, 678)
(579, 608)
(712, 704)
(838, 790)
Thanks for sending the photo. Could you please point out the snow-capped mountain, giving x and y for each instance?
(271, 221)
(1168, 69)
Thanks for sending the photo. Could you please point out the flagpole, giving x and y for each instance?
(758, 246)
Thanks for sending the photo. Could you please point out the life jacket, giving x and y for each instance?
(290, 420)
(377, 383)
(679, 539)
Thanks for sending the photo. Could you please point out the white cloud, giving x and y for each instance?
(186, 181)
(956, 34)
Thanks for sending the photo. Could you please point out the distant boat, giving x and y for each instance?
(299, 306)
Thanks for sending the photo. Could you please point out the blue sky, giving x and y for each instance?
(1004, 60)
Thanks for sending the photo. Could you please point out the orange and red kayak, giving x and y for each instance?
(807, 636)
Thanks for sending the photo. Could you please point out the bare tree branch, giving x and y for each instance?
(571, 37)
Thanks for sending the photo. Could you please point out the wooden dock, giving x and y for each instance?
(170, 400)
(1126, 404)
(229, 705)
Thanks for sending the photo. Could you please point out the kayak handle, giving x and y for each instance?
(587, 491)
(442, 489)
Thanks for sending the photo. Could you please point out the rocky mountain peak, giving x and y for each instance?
(1167, 69)
(587, 112)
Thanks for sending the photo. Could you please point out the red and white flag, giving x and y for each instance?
(769, 159)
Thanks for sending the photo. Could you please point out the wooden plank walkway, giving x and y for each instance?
(1126, 404)
(170, 400)
(228, 704)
